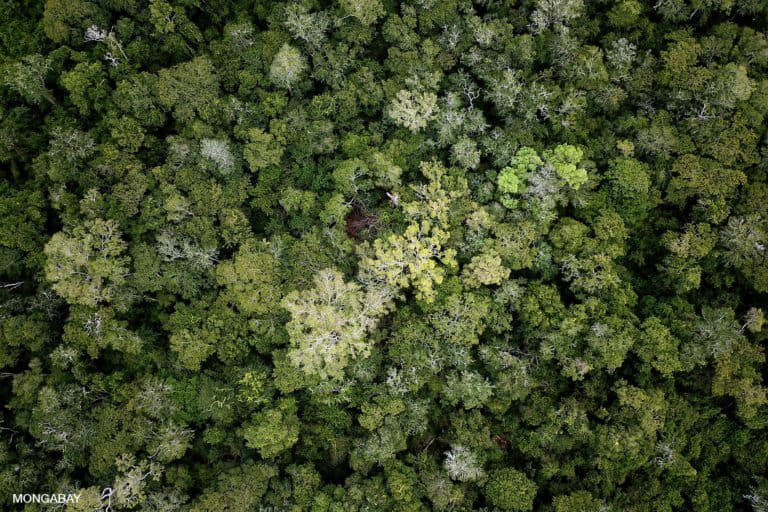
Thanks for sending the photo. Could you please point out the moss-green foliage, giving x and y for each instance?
(509, 489)
(384, 255)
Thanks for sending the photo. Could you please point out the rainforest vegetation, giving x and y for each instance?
(374, 255)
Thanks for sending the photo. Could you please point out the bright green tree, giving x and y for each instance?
(87, 264)
(287, 67)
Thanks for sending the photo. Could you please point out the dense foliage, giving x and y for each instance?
(501, 255)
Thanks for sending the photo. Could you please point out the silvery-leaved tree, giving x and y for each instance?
(330, 322)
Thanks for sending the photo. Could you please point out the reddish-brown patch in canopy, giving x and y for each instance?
(359, 220)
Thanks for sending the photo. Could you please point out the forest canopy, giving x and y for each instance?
(326, 256)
